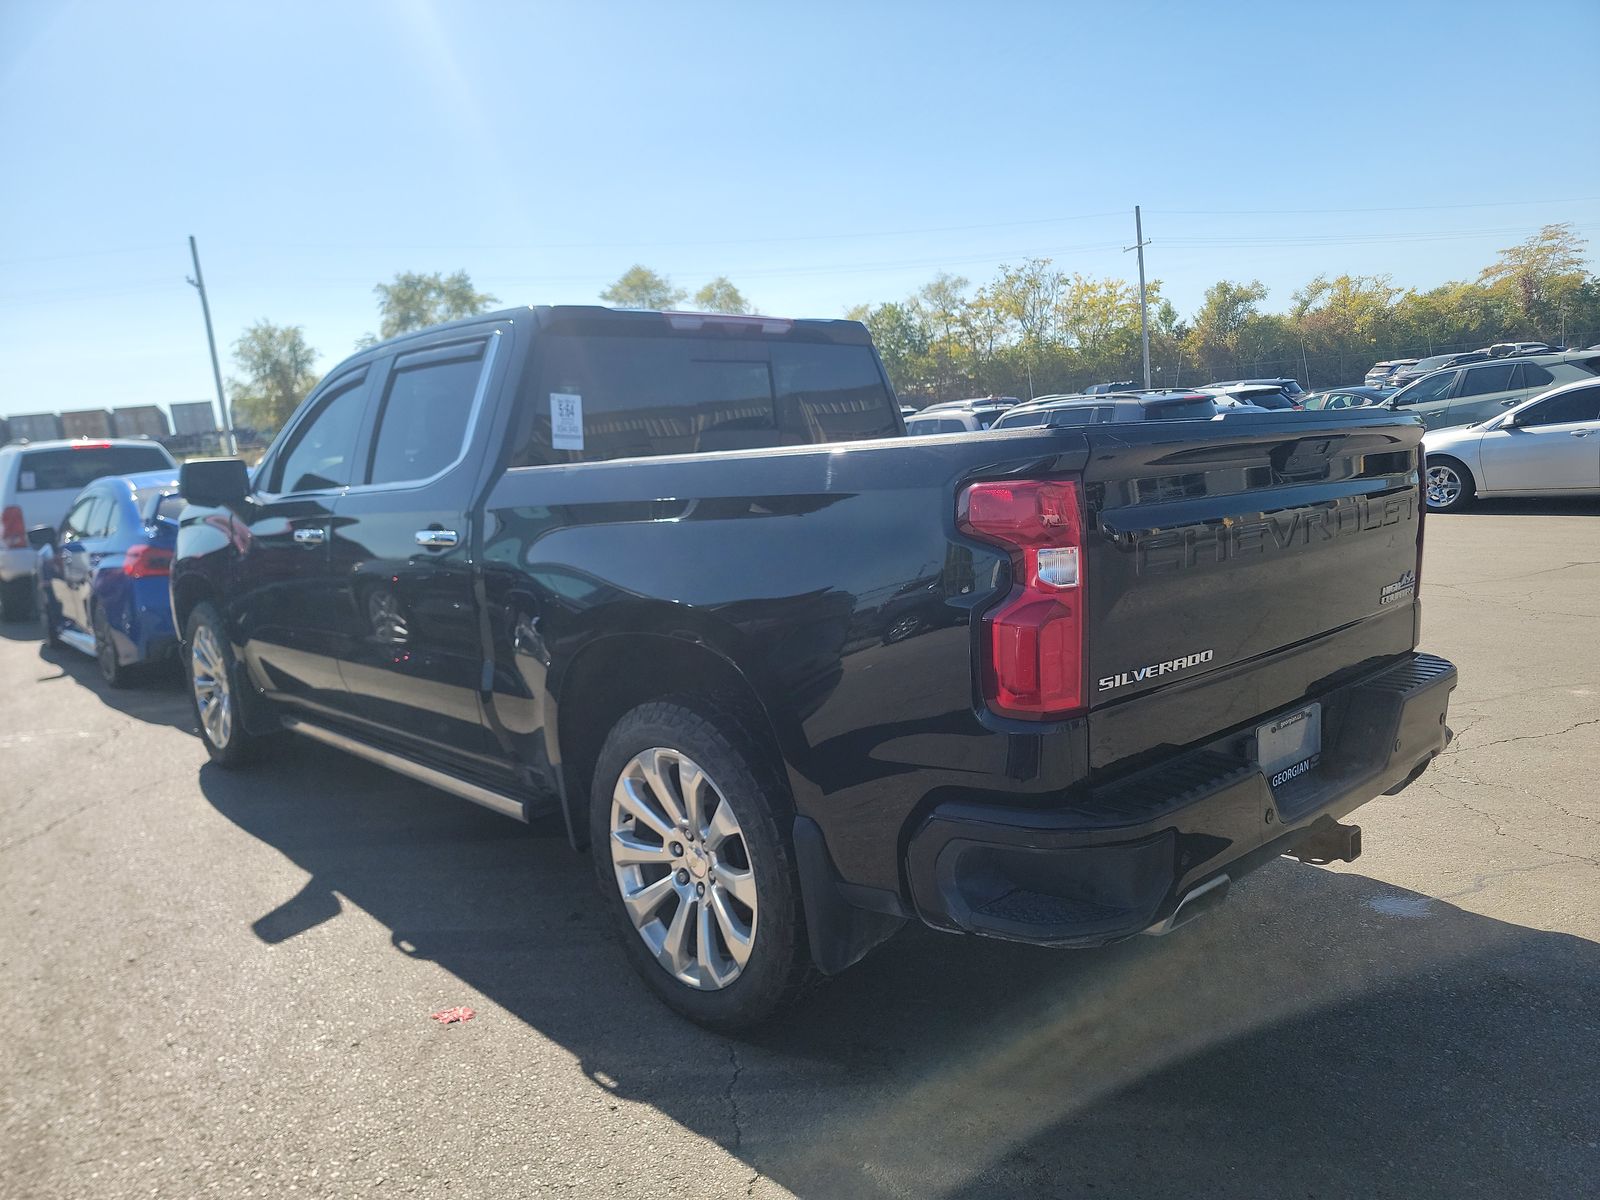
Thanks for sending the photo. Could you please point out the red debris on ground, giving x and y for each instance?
(460, 1013)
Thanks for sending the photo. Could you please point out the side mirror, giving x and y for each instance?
(214, 482)
(41, 536)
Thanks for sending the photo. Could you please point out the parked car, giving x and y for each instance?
(1436, 362)
(1512, 349)
(38, 482)
(1102, 389)
(1289, 387)
(1380, 373)
(1475, 392)
(1350, 397)
(1259, 395)
(651, 572)
(1108, 409)
(954, 418)
(1546, 446)
(102, 574)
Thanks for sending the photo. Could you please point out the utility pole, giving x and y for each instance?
(1144, 308)
(230, 444)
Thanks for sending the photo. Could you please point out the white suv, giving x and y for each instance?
(38, 481)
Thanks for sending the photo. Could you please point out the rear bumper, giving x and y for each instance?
(1129, 856)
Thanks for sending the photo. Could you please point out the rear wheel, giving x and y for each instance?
(217, 688)
(1450, 485)
(691, 845)
(16, 599)
(105, 651)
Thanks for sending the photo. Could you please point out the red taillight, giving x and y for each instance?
(1035, 660)
(88, 445)
(13, 532)
(142, 562)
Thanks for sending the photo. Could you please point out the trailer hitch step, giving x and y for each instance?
(1327, 842)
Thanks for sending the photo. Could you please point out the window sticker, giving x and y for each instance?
(566, 421)
(27, 482)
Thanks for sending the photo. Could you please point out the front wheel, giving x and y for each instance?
(216, 687)
(1450, 487)
(690, 841)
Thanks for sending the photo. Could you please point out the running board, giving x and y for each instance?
(498, 802)
(78, 640)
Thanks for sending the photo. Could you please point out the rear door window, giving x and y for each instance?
(1481, 381)
(427, 404)
(77, 467)
(1531, 375)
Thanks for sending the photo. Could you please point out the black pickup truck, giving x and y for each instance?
(797, 678)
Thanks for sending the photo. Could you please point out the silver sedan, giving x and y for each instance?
(1546, 446)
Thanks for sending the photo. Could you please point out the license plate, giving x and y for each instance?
(1291, 745)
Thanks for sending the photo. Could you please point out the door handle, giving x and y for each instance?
(311, 536)
(437, 539)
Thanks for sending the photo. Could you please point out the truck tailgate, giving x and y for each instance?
(1233, 575)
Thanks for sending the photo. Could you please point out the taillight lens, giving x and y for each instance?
(13, 531)
(142, 562)
(1034, 664)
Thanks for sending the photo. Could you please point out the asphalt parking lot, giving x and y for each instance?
(220, 984)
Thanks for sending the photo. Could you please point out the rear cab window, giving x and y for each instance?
(76, 467)
(600, 396)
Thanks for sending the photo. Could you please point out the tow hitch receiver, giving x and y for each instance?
(1329, 841)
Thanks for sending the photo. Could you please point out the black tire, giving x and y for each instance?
(105, 651)
(1448, 477)
(16, 599)
(49, 620)
(230, 743)
(779, 968)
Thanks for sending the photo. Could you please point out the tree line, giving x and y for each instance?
(1035, 329)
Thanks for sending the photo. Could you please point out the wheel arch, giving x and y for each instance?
(620, 671)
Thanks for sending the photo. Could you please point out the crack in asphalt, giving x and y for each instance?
(1458, 748)
(1500, 829)
(733, 1101)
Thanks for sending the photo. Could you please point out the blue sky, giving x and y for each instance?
(818, 154)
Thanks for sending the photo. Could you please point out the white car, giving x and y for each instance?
(38, 482)
(1546, 446)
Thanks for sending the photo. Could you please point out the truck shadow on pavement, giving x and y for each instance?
(1322, 1034)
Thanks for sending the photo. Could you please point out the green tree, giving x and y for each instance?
(721, 296)
(278, 372)
(1217, 328)
(640, 287)
(416, 300)
(1541, 273)
(902, 337)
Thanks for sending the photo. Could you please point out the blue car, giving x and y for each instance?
(103, 573)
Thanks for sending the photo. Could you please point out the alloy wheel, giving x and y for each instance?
(213, 700)
(1444, 485)
(683, 868)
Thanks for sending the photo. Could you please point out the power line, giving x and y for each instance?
(1263, 212)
